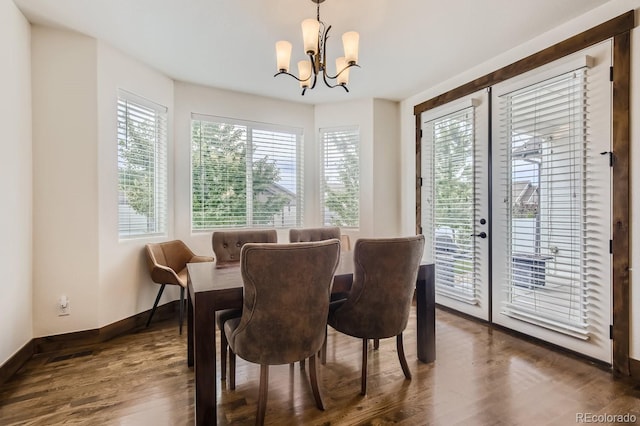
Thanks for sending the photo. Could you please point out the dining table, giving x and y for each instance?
(212, 288)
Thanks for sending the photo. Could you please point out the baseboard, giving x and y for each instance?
(13, 364)
(71, 342)
(634, 369)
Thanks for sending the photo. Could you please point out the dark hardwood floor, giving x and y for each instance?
(481, 377)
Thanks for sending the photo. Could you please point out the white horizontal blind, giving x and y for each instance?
(245, 174)
(449, 182)
(340, 183)
(142, 167)
(551, 268)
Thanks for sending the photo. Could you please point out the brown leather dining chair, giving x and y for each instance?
(288, 285)
(167, 263)
(227, 246)
(377, 307)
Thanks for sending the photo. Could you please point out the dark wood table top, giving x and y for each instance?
(207, 276)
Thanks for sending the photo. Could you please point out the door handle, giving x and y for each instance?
(481, 235)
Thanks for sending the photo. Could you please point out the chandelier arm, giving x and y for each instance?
(342, 70)
(331, 86)
(287, 73)
(323, 58)
(314, 67)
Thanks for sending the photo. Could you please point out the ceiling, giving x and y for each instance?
(406, 46)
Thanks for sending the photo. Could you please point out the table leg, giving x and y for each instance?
(189, 330)
(426, 314)
(205, 366)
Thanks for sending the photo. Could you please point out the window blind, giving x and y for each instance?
(245, 174)
(142, 167)
(340, 182)
(451, 209)
(552, 270)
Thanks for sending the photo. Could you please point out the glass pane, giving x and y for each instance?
(453, 168)
(546, 125)
(141, 170)
(341, 178)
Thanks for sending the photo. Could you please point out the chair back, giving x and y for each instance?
(171, 254)
(286, 300)
(385, 272)
(228, 244)
(313, 234)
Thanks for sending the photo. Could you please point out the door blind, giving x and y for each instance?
(550, 224)
(450, 182)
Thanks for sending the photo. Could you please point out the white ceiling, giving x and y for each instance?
(406, 46)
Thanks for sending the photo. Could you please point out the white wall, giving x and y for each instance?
(191, 98)
(124, 286)
(582, 23)
(386, 168)
(16, 328)
(65, 180)
(76, 247)
(378, 121)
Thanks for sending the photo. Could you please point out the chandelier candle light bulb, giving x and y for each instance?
(310, 34)
(283, 55)
(314, 37)
(342, 77)
(304, 71)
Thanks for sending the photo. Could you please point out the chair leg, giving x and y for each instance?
(232, 369)
(181, 307)
(363, 385)
(223, 354)
(262, 394)
(155, 304)
(313, 375)
(401, 357)
(323, 354)
(376, 344)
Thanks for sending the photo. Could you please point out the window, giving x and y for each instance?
(142, 167)
(245, 174)
(340, 184)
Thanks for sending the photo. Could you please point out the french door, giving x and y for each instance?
(517, 213)
(551, 203)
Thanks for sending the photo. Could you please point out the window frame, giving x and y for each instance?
(323, 172)
(159, 140)
(250, 141)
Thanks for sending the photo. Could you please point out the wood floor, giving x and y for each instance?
(480, 377)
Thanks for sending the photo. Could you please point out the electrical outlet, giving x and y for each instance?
(63, 306)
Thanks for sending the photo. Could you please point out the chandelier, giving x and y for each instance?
(315, 35)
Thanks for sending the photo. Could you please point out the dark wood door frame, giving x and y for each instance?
(619, 30)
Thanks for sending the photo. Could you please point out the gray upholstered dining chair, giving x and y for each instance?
(318, 234)
(288, 285)
(313, 234)
(167, 263)
(227, 246)
(377, 307)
